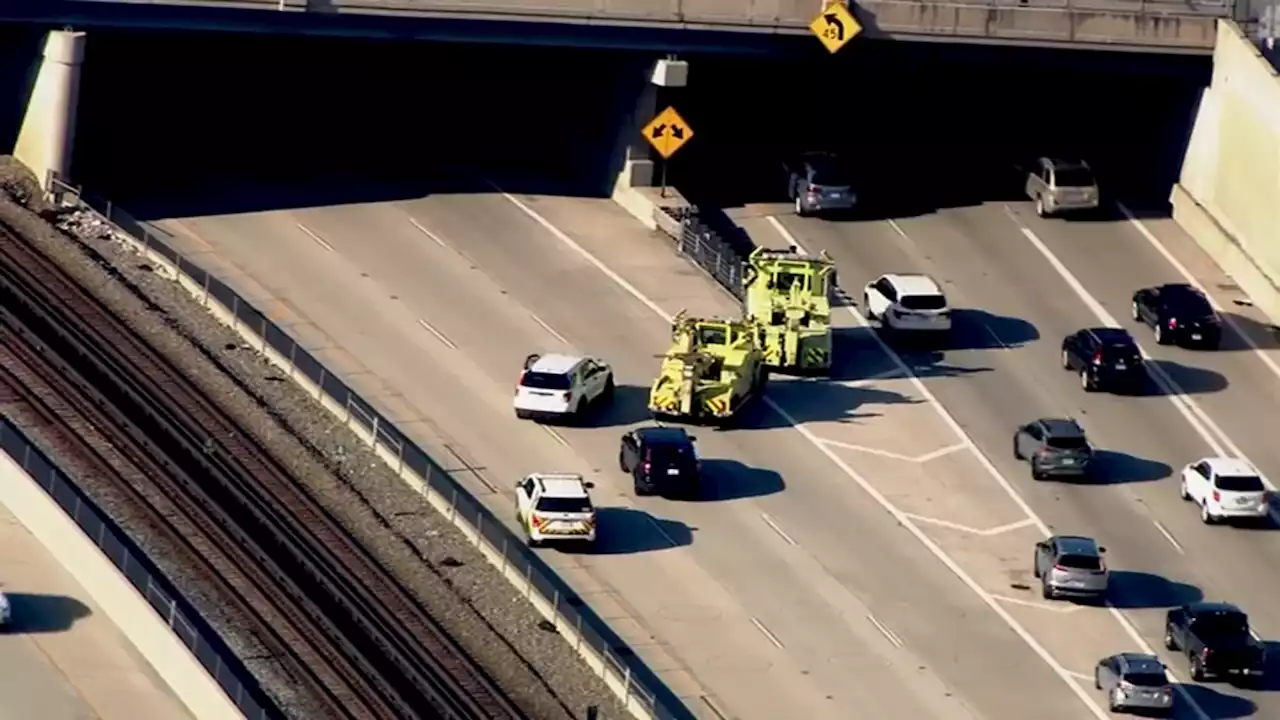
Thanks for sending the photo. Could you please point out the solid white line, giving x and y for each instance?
(1169, 536)
(439, 335)
(434, 238)
(943, 523)
(869, 450)
(778, 529)
(911, 527)
(772, 638)
(1008, 527)
(319, 240)
(940, 452)
(949, 419)
(1082, 677)
(549, 329)
(888, 634)
(1182, 270)
(555, 435)
(1063, 609)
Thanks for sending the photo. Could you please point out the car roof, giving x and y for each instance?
(914, 284)
(1061, 427)
(1112, 335)
(555, 363)
(562, 485)
(1208, 606)
(663, 436)
(1230, 466)
(1182, 292)
(1077, 545)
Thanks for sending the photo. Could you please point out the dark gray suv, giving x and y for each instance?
(1054, 447)
(1071, 566)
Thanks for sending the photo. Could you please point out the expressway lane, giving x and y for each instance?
(791, 596)
(1004, 369)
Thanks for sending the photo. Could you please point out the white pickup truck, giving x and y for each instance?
(1225, 489)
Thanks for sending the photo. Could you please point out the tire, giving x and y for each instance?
(1041, 210)
(1086, 383)
(523, 415)
(1112, 701)
(1097, 683)
(1197, 669)
(1134, 313)
(1017, 454)
(800, 211)
(1035, 566)
(1169, 642)
(1161, 338)
(866, 306)
(640, 492)
(1066, 359)
(1036, 475)
(1046, 592)
(622, 462)
(1205, 516)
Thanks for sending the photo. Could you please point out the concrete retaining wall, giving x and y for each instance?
(1228, 196)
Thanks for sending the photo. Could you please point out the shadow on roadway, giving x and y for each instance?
(1270, 681)
(1112, 467)
(927, 364)
(1264, 335)
(1190, 380)
(1133, 590)
(973, 329)
(630, 405)
(1218, 705)
(857, 355)
(821, 401)
(626, 531)
(732, 480)
(34, 613)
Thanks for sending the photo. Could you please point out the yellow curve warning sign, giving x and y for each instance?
(668, 132)
(835, 26)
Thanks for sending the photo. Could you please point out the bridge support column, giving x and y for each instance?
(638, 162)
(49, 124)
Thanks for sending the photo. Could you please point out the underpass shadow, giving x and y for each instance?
(1264, 335)
(973, 329)
(820, 401)
(1190, 380)
(1218, 705)
(732, 480)
(33, 613)
(1134, 590)
(1112, 467)
(627, 531)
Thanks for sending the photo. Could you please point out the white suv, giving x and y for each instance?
(555, 506)
(910, 302)
(555, 386)
(1225, 488)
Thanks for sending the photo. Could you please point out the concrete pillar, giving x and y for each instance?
(49, 123)
(638, 161)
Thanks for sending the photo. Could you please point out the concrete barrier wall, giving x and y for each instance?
(1228, 197)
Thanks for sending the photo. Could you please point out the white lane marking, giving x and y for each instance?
(765, 631)
(1169, 536)
(868, 450)
(434, 238)
(319, 240)
(662, 531)
(862, 482)
(949, 419)
(1182, 270)
(555, 435)
(1082, 677)
(777, 528)
(1214, 436)
(549, 329)
(940, 452)
(989, 532)
(439, 335)
(888, 634)
(1063, 608)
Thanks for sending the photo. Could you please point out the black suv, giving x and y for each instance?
(1179, 313)
(1054, 448)
(1105, 358)
(660, 460)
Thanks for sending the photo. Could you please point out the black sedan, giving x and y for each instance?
(1179, 313)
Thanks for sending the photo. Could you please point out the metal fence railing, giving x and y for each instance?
(205, 644)
(607, 654)
(704, 238)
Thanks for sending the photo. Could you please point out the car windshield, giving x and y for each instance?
(1080, 562)
(1189, 304)
(1072, 177)
(827, 171)
(1146, 679)
(1068, 442)
(564, 505)
(545, 381)
(1240, 483)
(923, 302)
(1222, 625)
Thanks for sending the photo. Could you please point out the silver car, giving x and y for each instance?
(1059, 186)
(1071, 566)
(1135, 681)
(819, 182)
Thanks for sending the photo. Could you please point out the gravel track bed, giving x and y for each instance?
(471, 600)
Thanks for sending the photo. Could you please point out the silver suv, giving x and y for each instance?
(1071, 566)
(1135, 681)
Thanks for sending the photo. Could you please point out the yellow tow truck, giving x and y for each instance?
(789, 298)
(712, 370)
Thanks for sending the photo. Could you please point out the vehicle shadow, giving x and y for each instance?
(1189, 380)
(630, 405)
(33, 613)
(819, 401)
(627, 531)
(973, 329)
(732, 480)
(857, 355)
(1218, 705)
(1133, 590)
(1112, 467)
(1263, 335)
(926, 364)
(1270, 680)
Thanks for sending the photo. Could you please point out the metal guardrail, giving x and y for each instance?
(703, 238)
(205, 643)
(607, 654)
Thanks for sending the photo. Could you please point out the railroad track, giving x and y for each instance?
(350, 635)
